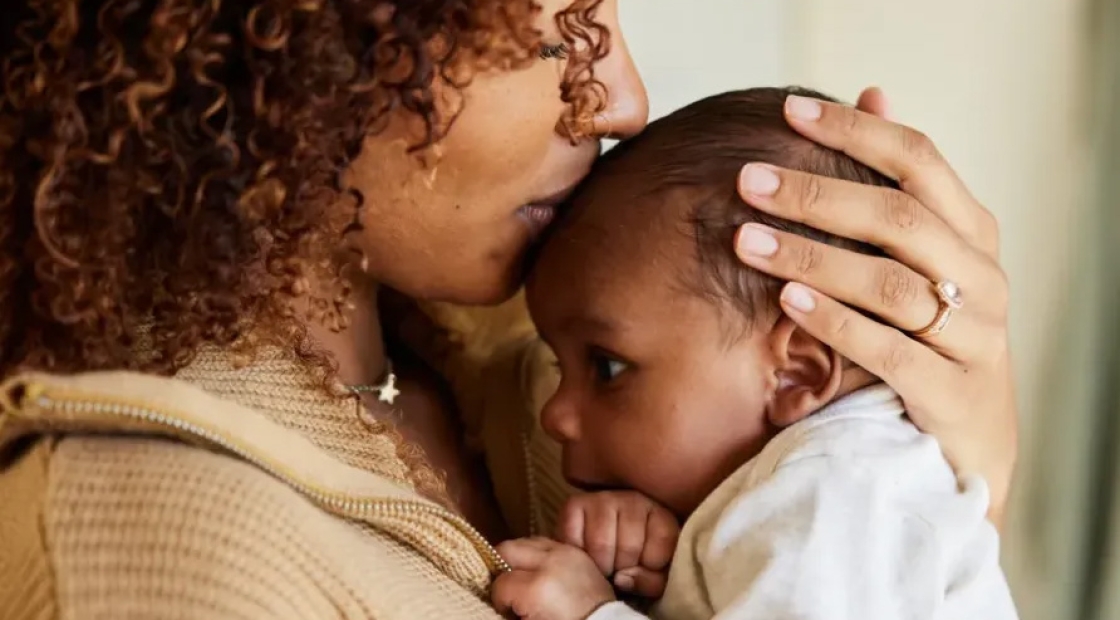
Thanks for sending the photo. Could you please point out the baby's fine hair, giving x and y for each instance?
(696, 153)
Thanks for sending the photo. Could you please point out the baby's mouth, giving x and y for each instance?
(593, 487)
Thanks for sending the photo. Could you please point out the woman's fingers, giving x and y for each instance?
(901, 153)
(884, 217)
(881, 286)
(903, 363)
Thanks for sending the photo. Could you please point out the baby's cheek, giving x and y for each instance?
(658, 466)
(687, 460)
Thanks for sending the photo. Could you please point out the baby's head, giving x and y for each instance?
(677, 364)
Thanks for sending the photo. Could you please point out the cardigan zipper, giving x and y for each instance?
(41, 397)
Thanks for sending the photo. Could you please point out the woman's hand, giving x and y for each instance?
(957, 384)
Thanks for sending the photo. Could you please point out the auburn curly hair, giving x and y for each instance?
(170, 169)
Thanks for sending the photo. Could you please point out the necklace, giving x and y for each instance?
(386, 389)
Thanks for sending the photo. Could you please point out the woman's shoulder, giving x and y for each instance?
(122, 500)
(107, 523)
(110, 522)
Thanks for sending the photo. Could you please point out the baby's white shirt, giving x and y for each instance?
(850, 514)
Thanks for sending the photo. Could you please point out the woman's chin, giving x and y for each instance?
(497, 283)
(493, 277)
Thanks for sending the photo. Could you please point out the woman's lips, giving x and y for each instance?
(538, 214)
(537, 217)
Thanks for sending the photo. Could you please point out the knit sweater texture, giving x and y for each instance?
(246, 493)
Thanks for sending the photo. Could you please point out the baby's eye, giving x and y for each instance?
(606, 367)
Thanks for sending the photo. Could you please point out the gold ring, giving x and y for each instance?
(949, 300)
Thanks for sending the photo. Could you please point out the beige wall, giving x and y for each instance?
(689, 49)
(995, 82)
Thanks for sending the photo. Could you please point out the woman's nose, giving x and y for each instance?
(627, 109)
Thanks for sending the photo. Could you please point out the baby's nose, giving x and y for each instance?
(558, 419)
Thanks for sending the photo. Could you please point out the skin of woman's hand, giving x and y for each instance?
(957, 385)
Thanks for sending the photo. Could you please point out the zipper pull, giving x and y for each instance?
(17, 397)
(18, 394)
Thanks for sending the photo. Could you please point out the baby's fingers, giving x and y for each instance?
(662, 532)
(641, 581)
(510, 591)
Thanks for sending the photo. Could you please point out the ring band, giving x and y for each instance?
(949, 300)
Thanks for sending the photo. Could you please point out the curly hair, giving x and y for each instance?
(172, 167)
(171, 170)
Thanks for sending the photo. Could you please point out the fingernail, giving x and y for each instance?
(760, 180)
(798, 297)
(803, 108)
(755, 240)
(623, 582)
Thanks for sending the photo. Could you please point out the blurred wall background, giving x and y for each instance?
(1017, 93)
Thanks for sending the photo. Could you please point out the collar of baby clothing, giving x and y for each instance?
(877, 399)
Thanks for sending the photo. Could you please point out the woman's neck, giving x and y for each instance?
(359, 349)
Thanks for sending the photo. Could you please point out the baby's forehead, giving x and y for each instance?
(616, 224)
(619, 242)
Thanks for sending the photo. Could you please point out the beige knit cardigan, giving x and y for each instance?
(247, 493)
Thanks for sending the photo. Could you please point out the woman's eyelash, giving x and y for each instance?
(558, 52)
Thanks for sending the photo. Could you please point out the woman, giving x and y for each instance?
(199, 203)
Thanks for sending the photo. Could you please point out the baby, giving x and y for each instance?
(688, 397)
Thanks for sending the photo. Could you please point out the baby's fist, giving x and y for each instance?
(549, 581)
(630, 537)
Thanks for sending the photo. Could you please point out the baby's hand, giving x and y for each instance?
(549, 581)
(630, 537)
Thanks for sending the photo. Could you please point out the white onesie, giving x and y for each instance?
(851, 514)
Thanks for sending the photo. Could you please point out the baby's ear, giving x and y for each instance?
(807, 374)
